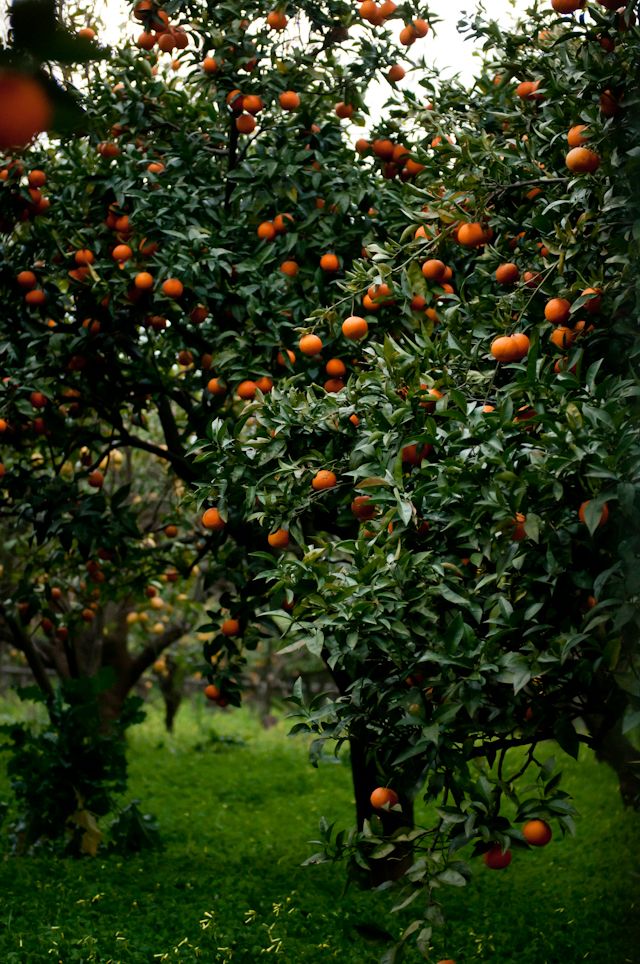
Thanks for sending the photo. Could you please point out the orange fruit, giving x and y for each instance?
(278, 539)
(527, 90)
(354, 328)
(143, 280)
(290, 268)
(362, 145)
(210, 65)
(95, 479)
(310, 344)
(344, 111)
(324, 479)
(247, 389)
(211, 519)
(26, 109)
(420, 27)
(35, 297)
(567, 6)
(291, 355)
(557, 310)
(383, 797)
(289, 100)
(580, 160)
(26, 279)
(246, 123)
(593, 304)
(562, 337)
(507, 274)
(280, 222)
(495, 859)
(363, 508)
(265, 384)
(510, 348)
(252, 103)
(277, 20)
(87, 33)
(604, 514)
(576, 136)
(329, 262)
(155, 167)
(537, 833)
(434, 270)
(383, 148)
(121, 252)
(146, 41)
(336, 368)
(471, 235)
(518, 531)
(199, 314)
(414, 454)
(407, 35)
(609, 104)
(172, 288)
(37, 178)
(84, 256)
(216, 386)
(333, 385)
(212, 692)
(396, 73)
(266, 231)
(230, 627)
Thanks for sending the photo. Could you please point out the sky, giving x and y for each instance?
(445, 49)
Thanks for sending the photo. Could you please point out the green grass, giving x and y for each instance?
(228, 886)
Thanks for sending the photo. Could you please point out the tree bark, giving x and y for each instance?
(615, 749)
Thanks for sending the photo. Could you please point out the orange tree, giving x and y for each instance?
(457, 515)
(157, 268)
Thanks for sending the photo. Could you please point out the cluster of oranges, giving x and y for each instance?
(395, 160)
(157, 29)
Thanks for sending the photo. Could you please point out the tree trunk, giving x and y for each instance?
(614, 748)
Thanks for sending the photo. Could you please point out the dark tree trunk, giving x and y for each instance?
(614, 748)
(172, 692)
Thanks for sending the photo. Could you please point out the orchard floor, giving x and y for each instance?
(228, 886)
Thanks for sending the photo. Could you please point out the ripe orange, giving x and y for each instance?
(146, 41)
(557, 310)
(415, 454)
(324, 479)
(247, 389)
(211, 519)
(172, 288)
(212, 692)
(510, 348)
(199, 314)
(155, 167)
(329, 262)
(95, 479)
(383, 148)
(471, 235)
(252, 103)
(576, 136)
(277, 20)
(604, 514)
(121, 252)
(37, 178)
(580, 160)
(396, 73)
(567, 6)
(383, 797)
(26, 109)
(407, 35)
(246, 123)
(266, 231)
(143, 280)
(518, 531)
(278, 539)
(289, 100)
(291, 355)
(507, 274)
(216, 386)
(230, 627)
(495, 859)
(336, 368)
(537, 833)
(434, 270)
(562, 337)
(333, 385)
(35, 297)
(26, 279)
(344, 111)
(280, 222)
(290, 268)
(363, 508)
(210, 65)
(84, 256)
(420, 27)
(354, 328)
(310, 344)
(527, 90)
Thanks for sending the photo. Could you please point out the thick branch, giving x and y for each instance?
(24, 643)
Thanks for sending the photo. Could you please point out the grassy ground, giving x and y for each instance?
(228, 885)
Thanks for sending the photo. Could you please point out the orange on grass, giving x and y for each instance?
(510, 348)
(143, 280)
(557, 310)
(507, 274)
(324, 479)
(172, 288)
(329, 262)
(278, 539)
(211, 519)
(290, 268)
(247, 389)
(580, 160)
(310, 344)
(604, 514)
(230, 627)
(354, 328)
(434, 269)
(26, 109)
(336, 368)
(383, 797)
(289, 100)
(537, 833)
(266, 231)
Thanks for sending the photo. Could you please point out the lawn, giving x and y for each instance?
(236, 820)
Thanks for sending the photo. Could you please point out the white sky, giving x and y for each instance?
(447, 50)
